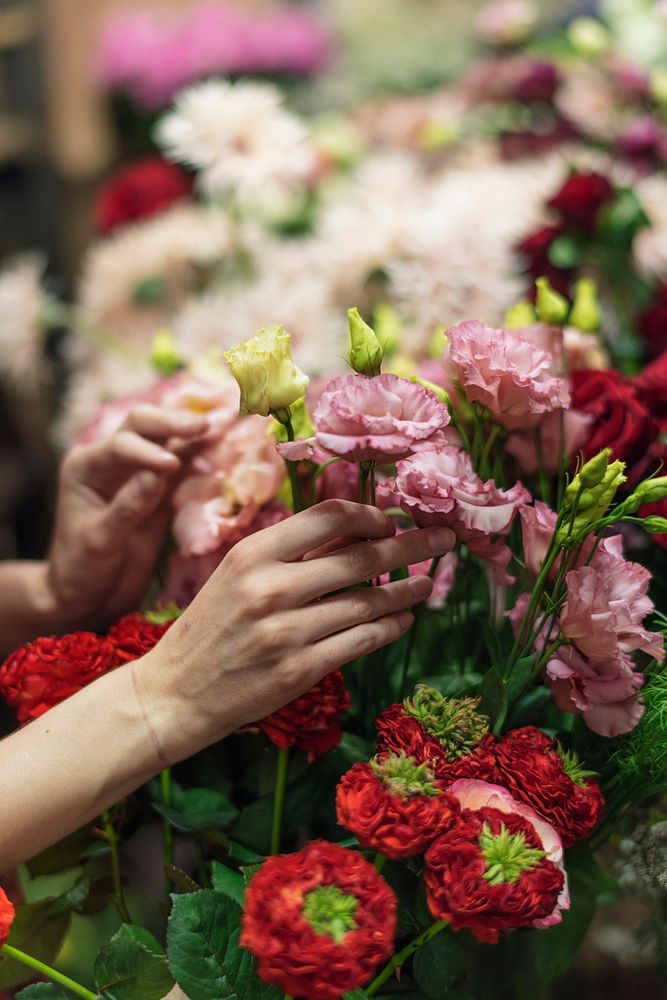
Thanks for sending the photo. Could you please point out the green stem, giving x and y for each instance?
(279, 800)
(401, 957)
(490, 441)
(544, 481)
(412, 636)
(46, 970)
(379, 861)
(112, 839)
(298, 505)
(167, 831)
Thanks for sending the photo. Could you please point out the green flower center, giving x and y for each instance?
(573, 768)
(330, 911)
(403, 777)
(454, 722)
(507, 855)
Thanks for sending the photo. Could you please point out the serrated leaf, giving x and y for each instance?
(34, 932)
(44, 991)
(132, 967)
(438, 964)
(197, 809)
(181, 879)
(73, 899)
(204, 952)
(228, 881)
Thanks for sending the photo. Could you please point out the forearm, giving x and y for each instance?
(27, 606)
(62, 770)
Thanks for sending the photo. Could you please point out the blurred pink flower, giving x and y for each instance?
(555, 443)
(603, 691)
(504, 371)
(606, 604)
(440, 486)
(378, 419)
(537, 527)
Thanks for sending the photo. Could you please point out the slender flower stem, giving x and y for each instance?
(46, 970)
(112, 839)
(279, 800)
(167, 831)
(401, 957)
(412, 636)
(490, 441)
(292, 467)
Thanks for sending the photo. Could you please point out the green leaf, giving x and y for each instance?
(44, 991)
(522, 671)
(438, 964)
(564, 251)
(493, 698)
(132, 967)
(181, 879)
(65, 854)
(353, 748)
(89, 894)
(204, 952)
(197, 809)
(529, 708)
(228, 881)
(34, 932)
(240, 853)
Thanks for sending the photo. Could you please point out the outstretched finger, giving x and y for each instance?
(336, 650)
(159, 424)
(356, 607)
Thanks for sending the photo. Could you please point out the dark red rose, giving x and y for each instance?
(535, 82)
(475, 881)
(133, 635)
(529, 766)
(319, 921)
(140, 190)
(535, 141)
(580, 200)
(652, 324)
(312, 721)
(651, 387)
(621, 421)
(448, 734)
(43, 673)
(534, 249)
(393, 805)
(7, 914)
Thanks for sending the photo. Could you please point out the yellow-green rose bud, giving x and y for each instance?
(366, 351)
(520, 314)
(655, 525)
(437, 390)
(267, 376)
(387, 327)
(588, 36)
(164, 353)
(586, 315)
(551, 306)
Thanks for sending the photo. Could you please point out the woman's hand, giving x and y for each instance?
(276, 616)
(113, 513)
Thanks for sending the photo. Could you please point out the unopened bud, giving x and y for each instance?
(366, 351)
(586, 315)
(519, 315)
(164, 353)
(551, 306)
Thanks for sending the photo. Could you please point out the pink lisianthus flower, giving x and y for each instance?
(473, 795)
(606, 604)
(227, 486)
(604, 692)
(376, 419)
(440, 486)
(555, 442)
(538, 523)
(506, 372)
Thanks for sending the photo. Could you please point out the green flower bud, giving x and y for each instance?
(387, 327)
(551, 307)
(521, 314)
(437, 390)
(594, 499)
(650, 491)
(588, 36)
(655, 525)
(366, 351)
(590, 474)
(586, 315)
(164, 353)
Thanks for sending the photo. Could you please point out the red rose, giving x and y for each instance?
(580, 200)
(7, 914)
(621, 420)
(133, 635)
(530, 766)
(652, 324)
(535, 248)
(318, 921)
(489, 873)
(312, 721)
(393, 805)
(448, 734)
(140, 190)
(651, 387)
(535, 82)
(43, 673)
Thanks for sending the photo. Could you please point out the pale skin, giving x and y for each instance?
(275, 617)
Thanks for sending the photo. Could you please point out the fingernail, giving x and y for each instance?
(406, 619)
(420, 586)
(441, 540)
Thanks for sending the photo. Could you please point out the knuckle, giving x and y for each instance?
(267, 596)
(363, 561)
(368, 640)
(364, 606)
(275, 638)
(336, 510)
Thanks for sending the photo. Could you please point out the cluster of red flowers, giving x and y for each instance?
(318, 921)
(43, 673)
(312, 721)
(140, 190)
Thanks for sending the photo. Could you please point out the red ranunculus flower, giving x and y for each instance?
(318, 921)
(621, 420)
(43, 673)
(652, 324)
(133, 635)
(448, 734)
(140, 190)
(312, 721)
(393, 805)
(7, 914)
(651, 387)
(530, 766)
(580, 200)
(489, 873)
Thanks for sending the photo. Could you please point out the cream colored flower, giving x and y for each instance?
(21, 321)
(267, 376)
